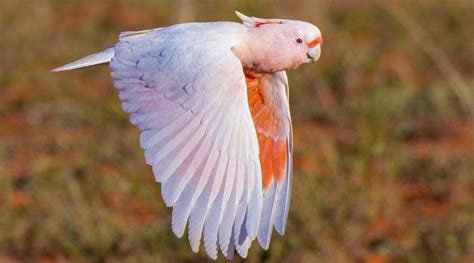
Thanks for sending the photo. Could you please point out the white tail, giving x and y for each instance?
(91, 60)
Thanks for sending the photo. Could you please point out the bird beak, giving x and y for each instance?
(313, 54)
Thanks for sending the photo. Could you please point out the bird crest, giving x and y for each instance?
(253, 22)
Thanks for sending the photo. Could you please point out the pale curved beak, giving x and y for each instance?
(313, 54)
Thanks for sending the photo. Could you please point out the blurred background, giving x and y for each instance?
(383, 135)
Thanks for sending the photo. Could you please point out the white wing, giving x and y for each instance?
(189, 99)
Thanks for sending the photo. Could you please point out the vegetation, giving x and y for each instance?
(384, 135)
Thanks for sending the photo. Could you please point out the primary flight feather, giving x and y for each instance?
(211, 101)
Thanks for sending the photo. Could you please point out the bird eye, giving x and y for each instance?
(299, 40)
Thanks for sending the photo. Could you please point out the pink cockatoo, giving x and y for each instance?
(211, 101)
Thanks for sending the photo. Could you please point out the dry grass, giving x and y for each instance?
(384, 135)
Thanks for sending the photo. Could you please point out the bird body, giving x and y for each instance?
(211, 101)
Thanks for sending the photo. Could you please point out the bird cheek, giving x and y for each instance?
(300, 59)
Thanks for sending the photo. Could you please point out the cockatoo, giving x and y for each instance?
(211, 102)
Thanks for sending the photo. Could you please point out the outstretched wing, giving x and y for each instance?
(189, 99)
(268, 102)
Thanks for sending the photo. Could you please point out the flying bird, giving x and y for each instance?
(211, 102)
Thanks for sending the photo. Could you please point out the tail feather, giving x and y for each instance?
(91, 60)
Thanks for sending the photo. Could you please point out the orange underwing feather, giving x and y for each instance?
(273, 148)
(279, 159)
(265, 155)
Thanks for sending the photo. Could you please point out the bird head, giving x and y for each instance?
(283, 43)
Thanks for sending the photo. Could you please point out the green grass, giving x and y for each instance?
(383, 123)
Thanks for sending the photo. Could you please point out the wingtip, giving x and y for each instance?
(252, 229)
(243, 253)
(264, 245)
(280, 229)
(229, 257)
(178, 231)
(56, 69)
(211, 253)
(63, 68)
(264, 239)
(195, 249)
